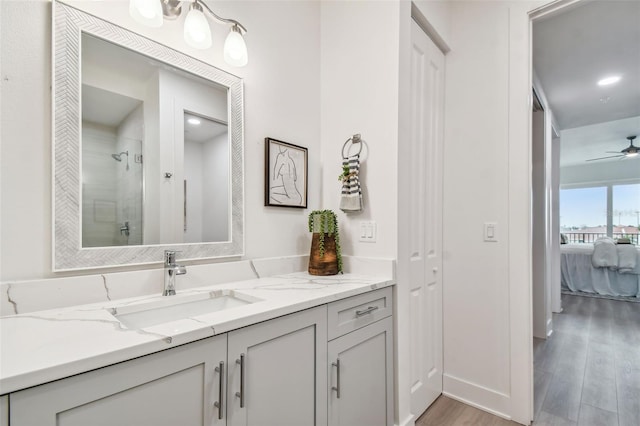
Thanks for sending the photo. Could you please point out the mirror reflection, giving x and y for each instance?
(205, 153)
(155, 151)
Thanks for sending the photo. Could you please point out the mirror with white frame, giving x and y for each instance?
(147, 149)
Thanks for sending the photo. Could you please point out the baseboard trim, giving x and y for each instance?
(477, 396)
(409, 421)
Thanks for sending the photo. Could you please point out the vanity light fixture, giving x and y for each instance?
(609, 80)
(197, 33)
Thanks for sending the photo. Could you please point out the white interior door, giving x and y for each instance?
(425, 219)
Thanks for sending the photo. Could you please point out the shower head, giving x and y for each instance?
(118, 157)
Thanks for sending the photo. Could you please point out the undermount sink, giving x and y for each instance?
(173, 308)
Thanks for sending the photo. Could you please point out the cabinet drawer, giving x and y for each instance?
(355, 312)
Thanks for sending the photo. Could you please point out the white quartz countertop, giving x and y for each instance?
(39, 347)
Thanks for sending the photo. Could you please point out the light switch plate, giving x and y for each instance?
(367, 231)
(491, 232)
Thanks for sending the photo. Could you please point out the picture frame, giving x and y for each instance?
(286, 174)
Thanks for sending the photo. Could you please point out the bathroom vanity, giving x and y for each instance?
(304, 351)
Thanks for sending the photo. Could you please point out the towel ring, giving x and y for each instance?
(354, 140)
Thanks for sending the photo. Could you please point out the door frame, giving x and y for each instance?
(534, 14)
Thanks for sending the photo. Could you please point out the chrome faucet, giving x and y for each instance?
(171, 269)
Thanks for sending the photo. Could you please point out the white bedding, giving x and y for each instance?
(578, 274)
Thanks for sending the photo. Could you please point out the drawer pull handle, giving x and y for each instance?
(218, 403)
(337, 386)
(241, 393)
(366, 311)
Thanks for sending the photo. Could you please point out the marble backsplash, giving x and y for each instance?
(20, 297)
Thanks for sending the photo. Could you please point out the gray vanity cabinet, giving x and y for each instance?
(360, 360)
(280, 372)
(4, 410)
(178, 386)
(284, 378)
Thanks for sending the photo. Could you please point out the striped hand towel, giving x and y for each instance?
(351, 197)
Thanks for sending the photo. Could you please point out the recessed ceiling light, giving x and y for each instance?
(609, 80)
(193, 121)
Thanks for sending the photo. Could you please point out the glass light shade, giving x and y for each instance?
(235, 49)
(197, 33)
(146, 12)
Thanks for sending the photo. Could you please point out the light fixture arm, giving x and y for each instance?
(219, 18)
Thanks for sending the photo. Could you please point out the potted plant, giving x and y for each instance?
(326, 255)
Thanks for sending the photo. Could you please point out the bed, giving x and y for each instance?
(579, 275)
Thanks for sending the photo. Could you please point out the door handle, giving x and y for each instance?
(337, 386)
(218, 403)
(241, 393)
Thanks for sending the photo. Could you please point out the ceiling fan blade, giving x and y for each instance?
(602, 158)
(613, 152)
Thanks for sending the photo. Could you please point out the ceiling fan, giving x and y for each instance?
(628, 152)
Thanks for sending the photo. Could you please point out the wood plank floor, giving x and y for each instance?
(448, 412)
(586, 374)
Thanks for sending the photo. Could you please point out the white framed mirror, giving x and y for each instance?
(148, 149)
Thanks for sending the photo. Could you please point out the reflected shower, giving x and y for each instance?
(118, 157)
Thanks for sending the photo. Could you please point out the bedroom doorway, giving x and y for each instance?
(587, 371)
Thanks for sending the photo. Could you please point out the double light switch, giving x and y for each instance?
(368, 231)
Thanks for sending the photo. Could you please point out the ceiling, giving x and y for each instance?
(104, 107)
(574, 49)
(204, 131)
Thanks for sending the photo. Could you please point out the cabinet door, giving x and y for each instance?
(277, 371)
(178, 386)
(4, 410)
(361, 376)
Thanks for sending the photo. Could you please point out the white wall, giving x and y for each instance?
(282, 100)
(487, 304)
(359, 94)
(217, 154)
(193, 169)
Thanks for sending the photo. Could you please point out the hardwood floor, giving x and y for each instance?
(586, 374)
(448, 412)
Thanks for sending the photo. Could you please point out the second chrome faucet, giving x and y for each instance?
(171, 269)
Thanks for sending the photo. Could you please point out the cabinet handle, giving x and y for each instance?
(366, 311)
(218, 403)
(337, 386)
(241, 393)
